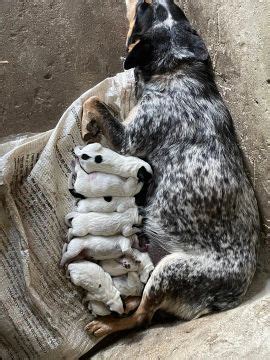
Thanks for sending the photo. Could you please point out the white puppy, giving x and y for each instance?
(128, 285)
(145, 265)
(118, 267)
(105, 205)
(98, 248)
(141, 263)
(96, 308)
(97, 283)
(98, 184)
(103, 224)
(95, 157)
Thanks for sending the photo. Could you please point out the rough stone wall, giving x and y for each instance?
(237, 34)
(56, 49)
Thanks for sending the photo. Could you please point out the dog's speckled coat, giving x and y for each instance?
(201, 208)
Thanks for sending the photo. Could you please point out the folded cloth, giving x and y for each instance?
(42, 315)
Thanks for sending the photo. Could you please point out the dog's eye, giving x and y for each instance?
(85, 157)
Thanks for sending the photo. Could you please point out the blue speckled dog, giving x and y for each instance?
(201, 209)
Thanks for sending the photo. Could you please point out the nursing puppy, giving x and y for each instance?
(140, 262)
(95, 157)
(105, 204)
(201, 209)
(120, 266)
(96, 308)
(128, 285)
(145, 265)
(103, 224)
(98, 184)
(99, 248)
(97, 283)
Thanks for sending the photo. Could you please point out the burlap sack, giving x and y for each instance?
(41, 311)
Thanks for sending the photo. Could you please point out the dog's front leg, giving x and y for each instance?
(97, 120)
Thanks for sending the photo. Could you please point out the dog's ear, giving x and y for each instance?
(190, 46)
(139, 55)
(131, 6)
(138, 48)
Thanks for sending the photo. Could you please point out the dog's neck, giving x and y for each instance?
(186, 72)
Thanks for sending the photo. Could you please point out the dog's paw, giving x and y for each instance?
(102, 326)
(90, 115)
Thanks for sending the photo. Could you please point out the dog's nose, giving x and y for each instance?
(85, 157)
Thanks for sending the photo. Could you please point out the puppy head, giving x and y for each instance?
(160, 36)
(89, 154)
(116, 304)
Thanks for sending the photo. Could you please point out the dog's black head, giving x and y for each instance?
(160, 36)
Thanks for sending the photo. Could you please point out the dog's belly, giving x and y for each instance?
(156, 253)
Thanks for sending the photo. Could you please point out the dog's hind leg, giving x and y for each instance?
(109, 324)
(183, 285)
(149, 304)
(132, 303)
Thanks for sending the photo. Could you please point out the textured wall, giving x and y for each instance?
(238, 36)
(56, 49)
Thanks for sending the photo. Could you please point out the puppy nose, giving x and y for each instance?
(85, 157)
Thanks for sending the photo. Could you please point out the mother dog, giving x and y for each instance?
(201, 209)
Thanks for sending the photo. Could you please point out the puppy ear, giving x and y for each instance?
(140, 55)
(189, 45)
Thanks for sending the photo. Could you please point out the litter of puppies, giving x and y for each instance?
(103, 254)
